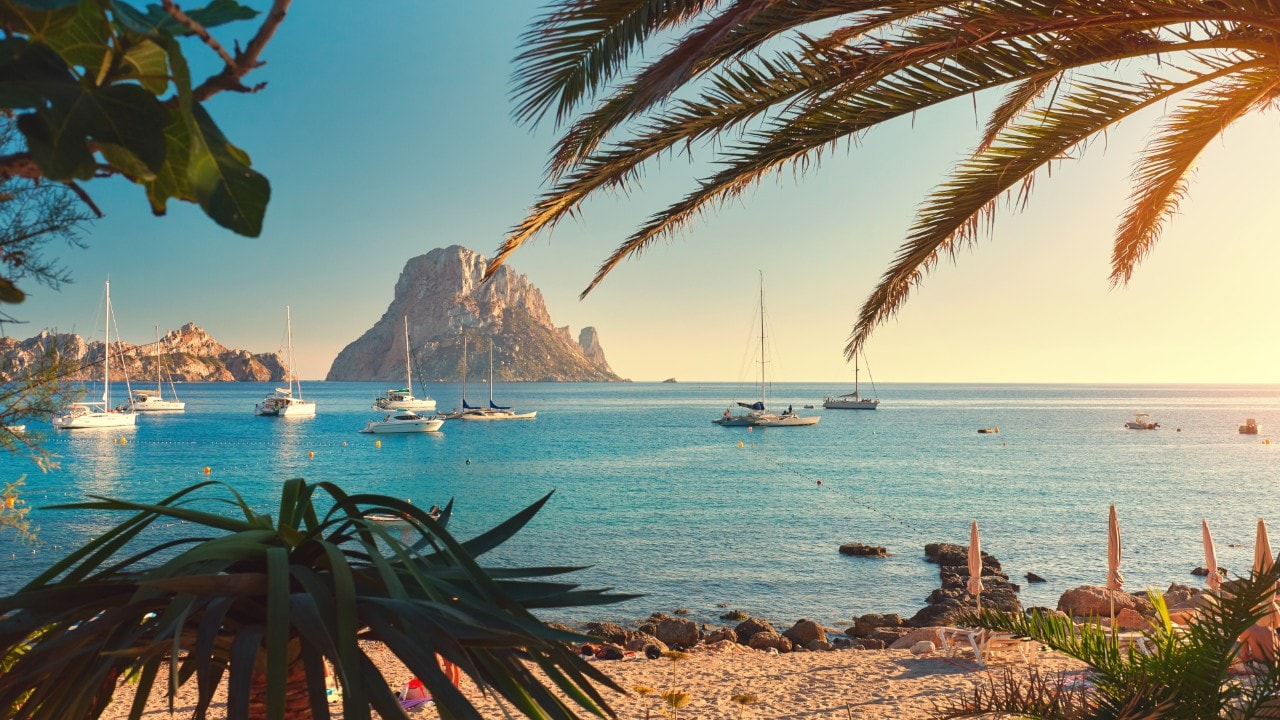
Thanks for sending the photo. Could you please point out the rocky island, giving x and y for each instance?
(442, 295)
(188, 354)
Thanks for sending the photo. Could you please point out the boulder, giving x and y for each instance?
(1178, 594)
(958, 555)
(720, 646)
(888, 635)
(1129, 619)
(766, 639)
(924, 647)
(943, 613)
(678, 632)
(716, 636)
(648, 628)
(607, 631)
(1095, 601)
(819, 646)
(751, 626)
(860, 550)
(683, 611)
(638, 641)
(735, 615)
(805, 632)
(908, 641)
(1034, 578)
(871, 644)
(864, 625)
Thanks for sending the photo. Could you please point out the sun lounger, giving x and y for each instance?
(985, 644)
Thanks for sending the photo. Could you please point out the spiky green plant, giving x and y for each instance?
(762, 88)
(1186, 676)
(269, 600)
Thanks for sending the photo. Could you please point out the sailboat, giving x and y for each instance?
(494, 411)
(282, 403)
(147, 401)
(404, 399)
(851, 401)
(82, 415)
(756, 414)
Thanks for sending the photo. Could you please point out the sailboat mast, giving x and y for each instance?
(106, 355)
(408, 372)
(490, 372)
(159, 387)
(288, 331)
(464, 370)
(762, 386)
(855, 376)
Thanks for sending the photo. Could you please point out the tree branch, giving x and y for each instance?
(245, 60)
(199, 30)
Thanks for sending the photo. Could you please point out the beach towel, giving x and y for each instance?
(414, 694)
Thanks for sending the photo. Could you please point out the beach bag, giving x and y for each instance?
(413, 694)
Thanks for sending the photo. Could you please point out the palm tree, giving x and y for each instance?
(769, 85)
(269, 602)
(1185, 675)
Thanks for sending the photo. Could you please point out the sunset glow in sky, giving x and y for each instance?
(385, 131)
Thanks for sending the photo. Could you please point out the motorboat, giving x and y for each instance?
(851, 401)
(989, 431)
(405, 421)
(1250, 427)
(282, 402)
(403, 399)
(154, 401)
(493, 411)
(87, 415)
(1142, 421)
(756, 414)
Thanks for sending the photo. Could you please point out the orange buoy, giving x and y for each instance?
(207, 469)
(377, 443)
(311, 454)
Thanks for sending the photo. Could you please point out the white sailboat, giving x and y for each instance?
(756, 414)
(851, 401)
(82, 415)
(404, 399)
(282, 402)
(147, 401)
(494, 411)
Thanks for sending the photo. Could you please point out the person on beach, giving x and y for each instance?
(1258, 647)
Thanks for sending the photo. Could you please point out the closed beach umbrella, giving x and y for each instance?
(975, 565)
(1214, 580)
(1262, 562)
(1115, 581)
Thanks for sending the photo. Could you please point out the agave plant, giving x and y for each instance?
(1186, 674)
(263, 604)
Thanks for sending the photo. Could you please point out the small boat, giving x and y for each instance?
(494, 411)
(82, 415)
(756, 414)
(1142, 421)
(405, 421)
(282, 403)
(988, 431)
(435, 513)
(851, 401)
(16, 429)
(148, 401)
(403, 399)
(1250, 427)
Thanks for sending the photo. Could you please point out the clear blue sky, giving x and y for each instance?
(386, 132)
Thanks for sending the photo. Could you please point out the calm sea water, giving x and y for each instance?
(658, 501)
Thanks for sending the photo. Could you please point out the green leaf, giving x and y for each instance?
(40, 19)
(229, 191)
(125, 115)
(155, 19)
(85, 41)
(147, 63)
(126, 162)
(10, 293)
(171, 180)
(31, 73)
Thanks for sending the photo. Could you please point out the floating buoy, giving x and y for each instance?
(819, 482)
(311, 454)
(123, 441)
(468, 461)
(8, 502)
(739, 443)
(750, 428)
(377, 443)
(207, 469)
(344, 443)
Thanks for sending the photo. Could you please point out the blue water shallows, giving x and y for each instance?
(659, 501)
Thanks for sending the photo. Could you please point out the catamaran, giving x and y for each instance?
(756, 414)
(494, 411)
(82, 415)
(148, 401)
(282, 402)
(404, 399)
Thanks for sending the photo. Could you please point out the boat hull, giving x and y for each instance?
(837, 404)
(95, 420)
(158, 406)
(296, 408)
(766, 420)
(486, 415)
(414, 404)
(391, 427)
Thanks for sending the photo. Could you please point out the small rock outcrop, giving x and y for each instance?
(861, 550)
(678, 632)
(445, 298)
(1098, 601)
(749, 627)
(805, 632)
(953, 596)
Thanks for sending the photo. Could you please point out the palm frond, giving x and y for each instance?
(1161, 175)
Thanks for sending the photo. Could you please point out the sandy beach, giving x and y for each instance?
(838, 685)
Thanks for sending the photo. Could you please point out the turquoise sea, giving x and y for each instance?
(659, 501)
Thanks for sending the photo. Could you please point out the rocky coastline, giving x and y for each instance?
(739, 631)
